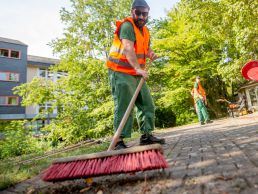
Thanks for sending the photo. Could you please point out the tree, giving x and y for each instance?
(239, 39)
(210, 38)
(191, 41)
(83, 96)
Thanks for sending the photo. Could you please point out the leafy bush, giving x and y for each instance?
(179, 103)
(77, 125)
(164, 117)
(17, 140)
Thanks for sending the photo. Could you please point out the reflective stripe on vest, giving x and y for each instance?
(122, 63)
(120, 52)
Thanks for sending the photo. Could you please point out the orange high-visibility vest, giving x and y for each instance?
(117, 61)
(200, 90)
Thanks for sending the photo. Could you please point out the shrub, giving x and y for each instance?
(18, 140)
(180, 103)
(164, 117)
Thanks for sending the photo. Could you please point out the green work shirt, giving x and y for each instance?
(127, 32)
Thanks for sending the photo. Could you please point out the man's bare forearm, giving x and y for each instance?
(130, 53)
(131, 57)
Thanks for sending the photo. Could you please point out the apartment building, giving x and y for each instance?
(16, 68)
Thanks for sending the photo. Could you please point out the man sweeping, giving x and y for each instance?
(126, 66)
(126, 69)
(200, 101)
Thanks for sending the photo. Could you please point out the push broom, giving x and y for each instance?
(138, 158)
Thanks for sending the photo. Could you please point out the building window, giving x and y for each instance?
(15, 54)
(47, 107)
(44, 73)
(61, 74)
(4, 52)
(2, 100)
(9, 76)
(9, 100)
(50, 75)
(13, 77)
(3, 76)
(10, 53)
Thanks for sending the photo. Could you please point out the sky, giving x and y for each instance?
(37, 22)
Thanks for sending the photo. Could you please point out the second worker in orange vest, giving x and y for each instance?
(126, 65)
(199, 96)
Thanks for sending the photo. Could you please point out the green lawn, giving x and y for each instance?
(12, 173)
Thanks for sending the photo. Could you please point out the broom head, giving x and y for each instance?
(138, 158)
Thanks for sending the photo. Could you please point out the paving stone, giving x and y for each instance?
(194, 172)
(179, 174)
(253, 179)
(249, 191)
(8, 190)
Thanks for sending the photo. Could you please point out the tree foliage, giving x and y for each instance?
(17, 140)
(83, 97)
(210, 38)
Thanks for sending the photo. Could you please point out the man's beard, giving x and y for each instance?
(140, 23)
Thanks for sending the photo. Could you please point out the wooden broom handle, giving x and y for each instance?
(125, 117)
(105, 154)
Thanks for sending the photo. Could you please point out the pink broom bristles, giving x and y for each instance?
(124, 163)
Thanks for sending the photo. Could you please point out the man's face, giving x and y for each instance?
(140, 16)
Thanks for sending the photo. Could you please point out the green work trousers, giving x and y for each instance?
(201, 110)
(123, 87)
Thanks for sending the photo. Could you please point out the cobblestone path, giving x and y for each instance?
(219, 158)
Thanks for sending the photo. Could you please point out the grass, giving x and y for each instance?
(12, 173)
